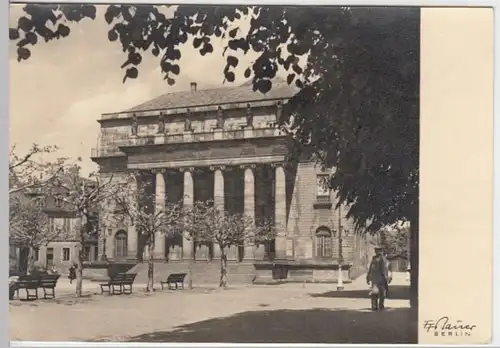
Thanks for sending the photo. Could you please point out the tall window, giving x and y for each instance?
(323, 242)
(86, 253)
(121, 244)
(66, 225)
(66, 254)
(51, 225)
(322, 190)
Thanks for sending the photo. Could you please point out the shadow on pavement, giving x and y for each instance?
(396, 292)
(296, 326)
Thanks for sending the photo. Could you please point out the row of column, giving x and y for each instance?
(249, 210)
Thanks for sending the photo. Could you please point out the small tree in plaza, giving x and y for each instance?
(206, 223)
(193, 218)
(83, 196)
(138, 208)
(29, 225)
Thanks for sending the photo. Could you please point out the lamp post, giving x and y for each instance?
(340, 284)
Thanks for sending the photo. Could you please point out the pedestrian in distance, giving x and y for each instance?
(72, 274)
(378, 277)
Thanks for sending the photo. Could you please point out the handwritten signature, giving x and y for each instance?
(444, 326)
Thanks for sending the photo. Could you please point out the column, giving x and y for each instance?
(159, 247)
(188, 200)
(280, 211)
(249, 209)
(133, 184)
(218, 198)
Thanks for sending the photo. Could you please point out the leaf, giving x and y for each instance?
(63, 30)
(232, 61)
(23, 53)
(132, 73)
(289, 78)
(170, 81)
(13, 34)
(297, 69)
(175, 69)
(25, 24)
(135, 58)
(89, 11)
(111, 13)
(31, 38)
(230, 76)
(112, 35)
(248, 72)
(197, 42)
(263, 86)
(209, 48)
(232, 33)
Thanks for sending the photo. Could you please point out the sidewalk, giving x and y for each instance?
(285, 313)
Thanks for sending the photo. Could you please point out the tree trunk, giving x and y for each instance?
(79, 269)
(414, 247)
(150, 286)
(190, 265)
(223, 269)
(31, 260)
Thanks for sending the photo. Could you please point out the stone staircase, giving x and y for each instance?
(203, 272)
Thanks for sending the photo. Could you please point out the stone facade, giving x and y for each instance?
(230, 152)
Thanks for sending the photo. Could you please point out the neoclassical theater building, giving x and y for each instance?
(223, 145)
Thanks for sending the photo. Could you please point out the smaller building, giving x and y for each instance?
(60, 252)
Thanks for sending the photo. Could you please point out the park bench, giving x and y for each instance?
(48, 283)
(176, 279)
(31, 283)
(120, 283)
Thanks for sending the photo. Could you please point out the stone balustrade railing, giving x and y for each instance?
(186, 137)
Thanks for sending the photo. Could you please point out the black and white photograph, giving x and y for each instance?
(214, 173)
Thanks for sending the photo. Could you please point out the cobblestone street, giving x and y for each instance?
(282, 313)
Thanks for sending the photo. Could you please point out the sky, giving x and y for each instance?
(58, 94)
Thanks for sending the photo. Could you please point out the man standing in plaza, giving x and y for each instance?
(378, 277)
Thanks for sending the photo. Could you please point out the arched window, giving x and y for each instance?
(323, 242)
(121, 244)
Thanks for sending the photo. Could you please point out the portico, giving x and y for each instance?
(257, 190)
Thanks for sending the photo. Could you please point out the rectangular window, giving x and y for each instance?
(51, 225)
(324, 246)
(49, 258)
(36, 254)
(66, 225)
(86, 253)
(66, 254)
(322, 189)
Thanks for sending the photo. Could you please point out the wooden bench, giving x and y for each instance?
(120, 283)
(48, 283)
(176, 279)
(30, 284)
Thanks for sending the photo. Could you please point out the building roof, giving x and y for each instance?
(217, 96)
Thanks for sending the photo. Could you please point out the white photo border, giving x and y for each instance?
(4, 104)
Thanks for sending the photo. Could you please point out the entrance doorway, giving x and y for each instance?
(49, 260)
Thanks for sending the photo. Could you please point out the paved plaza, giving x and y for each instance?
(287, 313)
